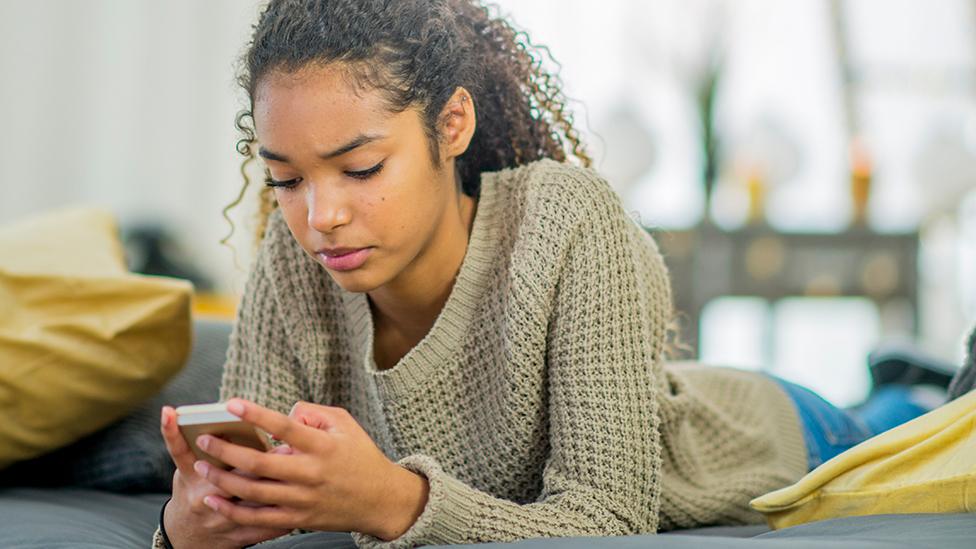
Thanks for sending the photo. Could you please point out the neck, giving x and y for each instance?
(409, 305)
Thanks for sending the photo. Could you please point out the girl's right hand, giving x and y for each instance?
(189, 521)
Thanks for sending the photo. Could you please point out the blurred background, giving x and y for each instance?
(808, 167)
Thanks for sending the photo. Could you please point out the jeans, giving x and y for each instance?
(829, 431)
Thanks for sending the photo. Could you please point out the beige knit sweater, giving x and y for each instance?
(539, 403)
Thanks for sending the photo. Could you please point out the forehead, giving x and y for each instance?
(320, 102)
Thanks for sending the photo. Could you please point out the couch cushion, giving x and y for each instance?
(130, 455)
(45, 518)
(82, 341)
(77, 518)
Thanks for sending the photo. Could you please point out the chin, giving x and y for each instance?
(358, 281)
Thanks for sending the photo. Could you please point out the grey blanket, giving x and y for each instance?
(83, 518)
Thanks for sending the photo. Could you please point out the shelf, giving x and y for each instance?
(706, 263)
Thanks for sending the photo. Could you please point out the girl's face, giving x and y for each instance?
(351, 174)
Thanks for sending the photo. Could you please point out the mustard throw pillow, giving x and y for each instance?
(927, 465)
(82, 341)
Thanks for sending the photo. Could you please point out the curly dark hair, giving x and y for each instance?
(418, 52)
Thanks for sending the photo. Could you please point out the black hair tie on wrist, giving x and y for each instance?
(162, 529)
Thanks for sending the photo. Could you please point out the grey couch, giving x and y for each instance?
(106, 491)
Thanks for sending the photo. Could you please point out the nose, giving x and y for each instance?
(327, 208)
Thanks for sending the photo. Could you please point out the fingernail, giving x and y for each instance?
(235, 408)
(203, 441)
(162, 417)
(201, 467)
(210, 502)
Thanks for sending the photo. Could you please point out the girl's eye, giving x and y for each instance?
(291, 183)
(287, 184)
(366, 174)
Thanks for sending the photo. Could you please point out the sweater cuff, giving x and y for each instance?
(157, 541)
(445, 518)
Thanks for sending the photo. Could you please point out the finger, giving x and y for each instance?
(296, 434)
(237, 471)
(178, 449)
(267, 516)
(320, 417)
(283, 449)
(212, 489)
(269, 492)
(292, 468)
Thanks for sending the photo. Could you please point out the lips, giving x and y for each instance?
(336, 252)
(343, 259)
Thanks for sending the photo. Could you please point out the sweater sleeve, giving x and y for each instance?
(157, 540)
(260, 365)
(601, 476)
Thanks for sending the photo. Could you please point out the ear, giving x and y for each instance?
(457, 124)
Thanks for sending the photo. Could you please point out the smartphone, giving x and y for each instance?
(213, 419)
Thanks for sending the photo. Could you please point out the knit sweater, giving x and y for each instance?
(539, 404)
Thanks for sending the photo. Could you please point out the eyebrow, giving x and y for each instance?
(357, 142)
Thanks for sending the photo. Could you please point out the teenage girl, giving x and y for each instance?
(452, 327)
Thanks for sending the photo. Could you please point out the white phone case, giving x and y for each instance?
(194, 420)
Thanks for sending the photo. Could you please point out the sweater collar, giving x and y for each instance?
(444, 338)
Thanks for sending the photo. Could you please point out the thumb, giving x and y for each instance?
(313, 415)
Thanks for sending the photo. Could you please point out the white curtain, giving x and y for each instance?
(127, 105)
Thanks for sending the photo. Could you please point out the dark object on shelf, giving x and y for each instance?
(898, 364)
(965, 379)
(152, 250)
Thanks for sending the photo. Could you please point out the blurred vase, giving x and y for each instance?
(756, 189)
(860, 181)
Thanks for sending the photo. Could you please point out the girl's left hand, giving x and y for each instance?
(335, 478)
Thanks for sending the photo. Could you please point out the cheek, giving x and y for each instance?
(294, 212)
(293, 208)
(403, 202)
(379, 215)
(401, 215)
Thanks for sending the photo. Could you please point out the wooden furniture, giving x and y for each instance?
(707, 262)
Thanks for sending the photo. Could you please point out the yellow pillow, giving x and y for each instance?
(82, 341)
(927, 465)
